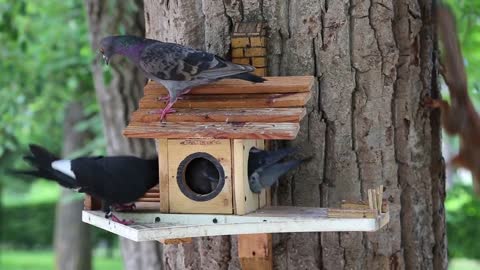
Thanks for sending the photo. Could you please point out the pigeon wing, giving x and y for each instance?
(169, 61)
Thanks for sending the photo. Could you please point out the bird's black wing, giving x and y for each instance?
(169, 61)
(119, 179)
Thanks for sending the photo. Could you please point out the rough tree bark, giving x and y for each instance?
(118, 96)
(375, 61)
(73, 249)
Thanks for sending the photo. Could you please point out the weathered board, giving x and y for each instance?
(192, 130)
(283, 100)
(265, 115)
(286, 84)
(157, 226)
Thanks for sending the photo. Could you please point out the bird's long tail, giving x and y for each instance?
(248, 77)
(41, 160)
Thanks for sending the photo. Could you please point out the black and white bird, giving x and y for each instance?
(176, 67)
(116, 180)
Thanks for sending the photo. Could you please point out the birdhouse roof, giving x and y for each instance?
(227, 109)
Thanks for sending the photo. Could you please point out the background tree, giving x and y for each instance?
(73, 248)
(375, 61)
(118, 90)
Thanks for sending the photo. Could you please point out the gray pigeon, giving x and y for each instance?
(258, 158)
(268, 175)
(176, 67)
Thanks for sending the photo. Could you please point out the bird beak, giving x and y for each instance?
(106, 59)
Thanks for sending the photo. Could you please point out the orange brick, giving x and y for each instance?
(240, 42)
(243, 61)
(260, 72)
(237, 52)
(255, 52)
(257, 41)
(259, 61)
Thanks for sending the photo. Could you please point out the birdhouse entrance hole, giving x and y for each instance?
(200, 177)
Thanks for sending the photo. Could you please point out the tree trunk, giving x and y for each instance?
(118, 95)
(375, 61)
(73, 249)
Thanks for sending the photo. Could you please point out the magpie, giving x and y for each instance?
(116, 180)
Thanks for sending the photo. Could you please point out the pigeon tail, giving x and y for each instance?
(248, 77)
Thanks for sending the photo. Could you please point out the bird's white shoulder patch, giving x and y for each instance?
(64, 166)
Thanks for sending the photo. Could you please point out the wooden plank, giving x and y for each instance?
(255, 251)
(284, 84)
(151, 195)
(176, 241)
(230, 101)
(351, 213)
(352, 205)
(199, 225)
(262, 201)
(178, 150)
(162, 151)
(267, 131)
(268, 115)
(144, 199)
(91, 203)
(245, 200)
(150, 206)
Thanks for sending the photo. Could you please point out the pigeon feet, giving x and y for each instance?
(121, 221)
(124, 207)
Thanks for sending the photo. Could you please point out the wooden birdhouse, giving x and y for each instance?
(214, 128)
(203, 150)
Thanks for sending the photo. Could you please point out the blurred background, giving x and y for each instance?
(45, 64)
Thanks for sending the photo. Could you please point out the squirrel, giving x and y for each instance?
(460, 116)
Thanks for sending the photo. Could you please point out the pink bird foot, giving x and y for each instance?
(124, 207)
(121, 221)
(163, 112)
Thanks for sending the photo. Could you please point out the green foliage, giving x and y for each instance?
(463, 219)
(44, 260)
(30, 226)
(45, 64)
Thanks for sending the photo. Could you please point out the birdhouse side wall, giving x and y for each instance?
(245, 200)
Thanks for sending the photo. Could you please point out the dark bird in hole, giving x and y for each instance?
(266, 167)
(116, 180)
(201, 176)
(268, 175)
(176, 67)
(258, 158)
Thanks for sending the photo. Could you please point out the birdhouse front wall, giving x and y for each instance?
(235, 196)
(178, 150)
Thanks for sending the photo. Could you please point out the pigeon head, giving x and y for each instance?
(129, 46)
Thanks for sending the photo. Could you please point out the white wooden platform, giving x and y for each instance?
(156, 226)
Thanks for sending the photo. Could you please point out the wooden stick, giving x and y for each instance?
(255, 251)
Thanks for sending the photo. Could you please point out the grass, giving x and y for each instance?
(44, 260)
(463, 264)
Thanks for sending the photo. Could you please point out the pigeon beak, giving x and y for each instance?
(106, 59)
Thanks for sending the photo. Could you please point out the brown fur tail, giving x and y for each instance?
(454, 69)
